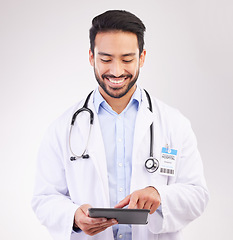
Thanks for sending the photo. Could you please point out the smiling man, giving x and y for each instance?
(121, 162)
(116, 61)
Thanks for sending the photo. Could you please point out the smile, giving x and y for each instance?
(116, 80)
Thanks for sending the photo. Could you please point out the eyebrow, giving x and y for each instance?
(128, 54)
(110, 55)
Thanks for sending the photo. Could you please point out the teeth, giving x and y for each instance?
(116, 81)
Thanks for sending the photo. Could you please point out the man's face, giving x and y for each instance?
(116, 62)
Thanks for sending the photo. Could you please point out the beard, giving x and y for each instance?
(116, 92)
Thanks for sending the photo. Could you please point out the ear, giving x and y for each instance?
(142, 58)
(91, 57)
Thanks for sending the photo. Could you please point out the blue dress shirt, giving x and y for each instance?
(118, 134)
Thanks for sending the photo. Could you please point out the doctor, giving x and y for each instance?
(114, 174)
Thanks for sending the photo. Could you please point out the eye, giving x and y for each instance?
(127, 61)
(105, 60)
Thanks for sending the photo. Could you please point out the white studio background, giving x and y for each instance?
(44, 69)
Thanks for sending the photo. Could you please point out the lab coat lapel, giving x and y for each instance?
(143, 121)
(97, 153)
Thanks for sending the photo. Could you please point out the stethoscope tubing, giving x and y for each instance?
(151, 126)
(84, 108)
(151, 163)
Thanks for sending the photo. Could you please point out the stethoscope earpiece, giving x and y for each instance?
(85, 156)
(152, 164)
(72, 158)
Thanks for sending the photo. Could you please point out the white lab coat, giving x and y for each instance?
(61, 186)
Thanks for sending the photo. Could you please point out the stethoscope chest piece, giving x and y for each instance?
(152, 164)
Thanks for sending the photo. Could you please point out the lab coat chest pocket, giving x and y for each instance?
(141, 178)
(156, 179)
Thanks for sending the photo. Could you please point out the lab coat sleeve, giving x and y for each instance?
(51, 202)
(186, 196)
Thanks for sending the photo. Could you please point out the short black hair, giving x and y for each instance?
(117, 20)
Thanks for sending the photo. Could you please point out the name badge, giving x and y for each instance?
(168, 162)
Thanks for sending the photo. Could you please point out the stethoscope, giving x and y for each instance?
(151, 164)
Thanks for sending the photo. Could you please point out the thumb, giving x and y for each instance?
(85, 208)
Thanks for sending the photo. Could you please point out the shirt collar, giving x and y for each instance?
(99, 100)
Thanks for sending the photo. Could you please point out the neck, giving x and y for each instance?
(118, 104)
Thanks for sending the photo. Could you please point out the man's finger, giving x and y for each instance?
(123, 202)
(133, 201)
(148, 205)
(153, 208)
(101, 228)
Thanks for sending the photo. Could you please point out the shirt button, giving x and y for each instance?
(121, 189)
(120, 164)
(119, 140)
(120, 236)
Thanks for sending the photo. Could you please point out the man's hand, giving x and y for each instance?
(147, 198)
(90, 226)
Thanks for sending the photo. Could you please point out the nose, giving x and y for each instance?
(116, 68)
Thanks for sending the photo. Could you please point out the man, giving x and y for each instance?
(113, 173)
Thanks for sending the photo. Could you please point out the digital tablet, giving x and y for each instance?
(122, 215)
